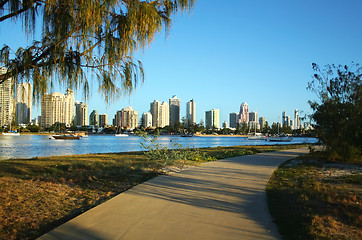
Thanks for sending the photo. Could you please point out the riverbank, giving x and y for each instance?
(39, 194)
(310, 198)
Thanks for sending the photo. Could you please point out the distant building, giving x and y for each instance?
(174, 103)
(24, 100)
(57, 107)
(190, 112)
(81, 114)
(146, 120)
(262, 122)
(253, 117)
(225, 124)
(103, 120)
(117, 121)
(160, 114)
(284, 118)
(94, 118)
(6, 99)
(212, 118)
(233, 119)
(129, 118)
(296, 119)
(244, 113)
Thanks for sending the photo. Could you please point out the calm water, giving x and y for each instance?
(26, 146)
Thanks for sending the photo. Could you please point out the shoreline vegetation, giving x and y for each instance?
(312, 198)
(41, 193)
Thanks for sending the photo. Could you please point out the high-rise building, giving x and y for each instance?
(233, 119)
(262, 122)
(24, 98)
(117, 121)
(81, 114)
(244, 113)
(129, 118)
(57, 107)
(94, 118)
(103, 120)
(287, 122)
(212, 118)
(284, 119)
(190, 112)
(253, 117)
(160, 114)
(174, 110)
(6, 100)
(296, 119)
(146, 120)
(225, 124)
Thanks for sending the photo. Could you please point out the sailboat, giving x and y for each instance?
(280, 138)
(256, 136)
(10, 133)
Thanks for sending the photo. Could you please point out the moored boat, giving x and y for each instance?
(66, 136)
(280, 139)
(256, 136)
(11, 134)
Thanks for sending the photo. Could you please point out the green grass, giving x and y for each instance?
(313, 199)
(39, 194)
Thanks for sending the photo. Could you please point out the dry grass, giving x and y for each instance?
(314, 199)
(39, 194)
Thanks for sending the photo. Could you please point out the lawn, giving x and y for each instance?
(310, 198)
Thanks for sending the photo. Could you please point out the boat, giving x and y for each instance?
(66, 136)
(280, 138)
(256, 136)
(11, 134)
(121, 135)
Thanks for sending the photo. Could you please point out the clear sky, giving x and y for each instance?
(227, 52)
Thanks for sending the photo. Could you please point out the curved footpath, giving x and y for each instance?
(221, 200)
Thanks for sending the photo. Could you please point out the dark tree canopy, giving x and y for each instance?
(83, 38)
(337, 114)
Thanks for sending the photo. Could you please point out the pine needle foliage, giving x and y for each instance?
(82, 38)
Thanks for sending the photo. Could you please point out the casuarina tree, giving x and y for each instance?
(337, 114)
(82, 38)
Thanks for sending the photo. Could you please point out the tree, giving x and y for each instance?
(338, 113)
(78, 37)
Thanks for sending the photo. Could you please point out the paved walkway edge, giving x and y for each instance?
(224, 199)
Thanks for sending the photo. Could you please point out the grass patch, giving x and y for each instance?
(310, 198)
(39, 194)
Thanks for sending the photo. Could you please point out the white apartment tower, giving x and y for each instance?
(81, 114)
(296, 119)
(24, 98)
(190, 112)
(212, 118)
(160, 114)
(174, 110)
(6, 99)
(129, 118)
(244, 113)
(147, 119)
(57, 107)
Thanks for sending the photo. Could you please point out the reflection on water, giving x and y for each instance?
(27, 146)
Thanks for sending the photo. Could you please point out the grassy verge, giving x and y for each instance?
(39, 194)
(310, 198)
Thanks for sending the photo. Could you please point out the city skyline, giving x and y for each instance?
(262, 54)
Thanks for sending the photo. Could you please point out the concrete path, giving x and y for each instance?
(219, 200)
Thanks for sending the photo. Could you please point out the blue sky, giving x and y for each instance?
(222, 54)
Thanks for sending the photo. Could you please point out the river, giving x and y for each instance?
(28, 146)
